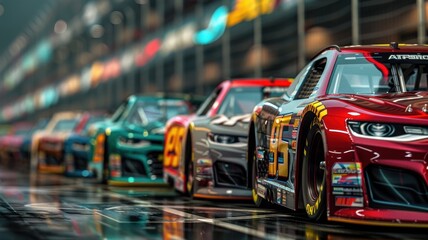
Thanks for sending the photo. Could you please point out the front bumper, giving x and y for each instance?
(393, 182)
(381, 217)
(76, 163)
(142, 167)
(223, 193)
(222, 172)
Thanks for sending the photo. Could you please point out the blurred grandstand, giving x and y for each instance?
(90, 55)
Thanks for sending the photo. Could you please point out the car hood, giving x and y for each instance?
(13, 141)
(56, 137)
(409, 104)
(156, 127)
(235, 126)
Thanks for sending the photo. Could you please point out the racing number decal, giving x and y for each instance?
(173, 146)
(278, 148)
(282, 156)
(273, 147)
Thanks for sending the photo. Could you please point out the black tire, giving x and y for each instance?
(105, 167)
(313, 176)
(258, 201)
(188, 156)
(190, 179)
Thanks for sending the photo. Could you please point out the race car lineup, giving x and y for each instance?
(205, 152)
(344, 141)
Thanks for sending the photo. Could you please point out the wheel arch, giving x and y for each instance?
(303, 132)
(187, 155)
(307, 117)
(250, 152)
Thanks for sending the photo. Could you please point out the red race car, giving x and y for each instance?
(204, 154)
(50, 146)
(348, 141)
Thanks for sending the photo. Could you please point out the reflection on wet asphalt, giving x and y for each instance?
(44, 206)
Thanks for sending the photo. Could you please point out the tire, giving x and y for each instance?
(190, 179)
(188, 156)
(258, 201)
(313, 176)
(105, 167)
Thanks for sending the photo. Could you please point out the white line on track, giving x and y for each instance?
(215, 222)
(174, 209)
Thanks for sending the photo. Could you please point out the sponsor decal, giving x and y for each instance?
(346, 182)
(284, 197)
(294, 144)
(347, 191)
(205, 162)
(294, 134)
(349, 201)
(346, 174)
(407, 57)
(260, 154)
(261, 190)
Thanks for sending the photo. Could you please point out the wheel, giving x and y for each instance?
(188, 156)
(106, 176)
(258, 201)
(105, 163)
(313, 174)
(190, 179)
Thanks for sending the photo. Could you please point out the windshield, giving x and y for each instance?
(22, 131)
(41, 124)
(145, 111)
(241, 100)
(65, 125)
(119, 111)
(91, 120)
(371, 75)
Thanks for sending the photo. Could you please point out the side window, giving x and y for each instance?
(415, 77)
(206, 106)
(312, 79)
(135, 118)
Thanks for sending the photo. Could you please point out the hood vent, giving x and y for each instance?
(425, 108)
(409, 108)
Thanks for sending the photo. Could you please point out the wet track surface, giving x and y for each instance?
(43, 206)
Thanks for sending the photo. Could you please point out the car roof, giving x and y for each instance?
(161, 95)
(391, 47)
(260, 81)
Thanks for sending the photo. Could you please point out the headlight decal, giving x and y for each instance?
(416, 130)
(133, 142)
(393, 132)
(379, 129)
(224, 139)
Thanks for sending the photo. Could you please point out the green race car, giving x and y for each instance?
(127, 149)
